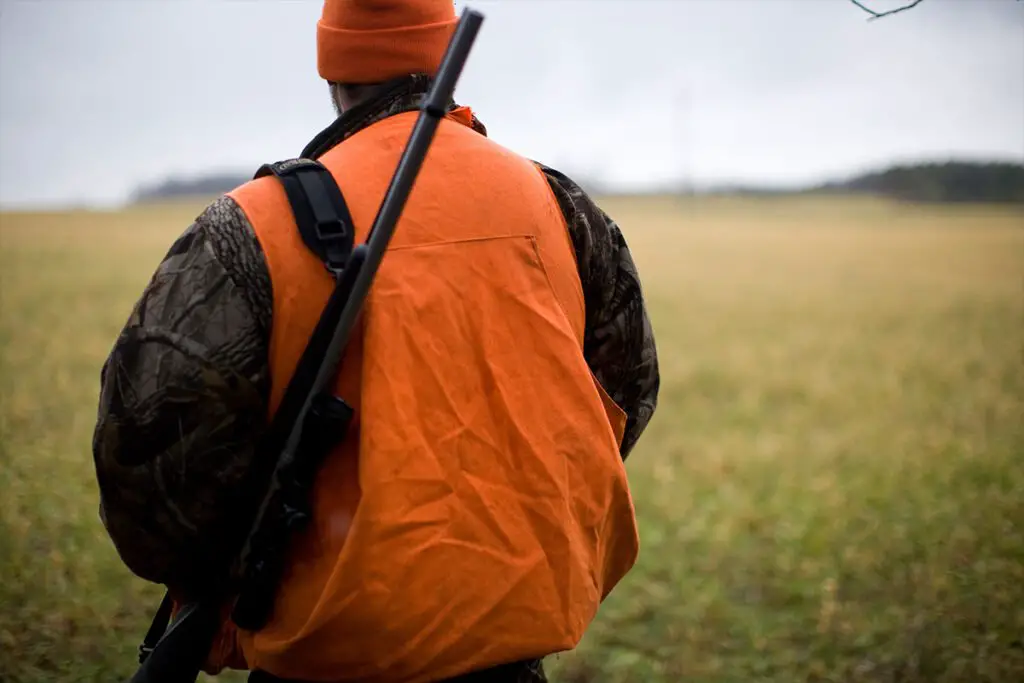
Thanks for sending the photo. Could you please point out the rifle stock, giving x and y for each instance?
(181, 651)
(184, 647)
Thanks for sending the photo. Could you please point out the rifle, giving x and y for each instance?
(311, 420)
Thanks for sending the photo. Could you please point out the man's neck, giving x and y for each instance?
(392, 97)
(346, 96)
(386, 99)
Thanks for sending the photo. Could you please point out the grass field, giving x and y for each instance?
(832, 488)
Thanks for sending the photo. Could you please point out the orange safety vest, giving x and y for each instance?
(478, 511)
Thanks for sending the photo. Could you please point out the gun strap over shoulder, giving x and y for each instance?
(320, 210)
(326, 227)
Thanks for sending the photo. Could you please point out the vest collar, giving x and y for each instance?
(396, 97)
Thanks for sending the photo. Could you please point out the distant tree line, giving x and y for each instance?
(200, 186)
(999, 182)
(946, 182)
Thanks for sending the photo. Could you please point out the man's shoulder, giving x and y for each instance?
(223, 213)
(560, 179)
(575, 201)
(221, 242)
(221, 225)
(249, 194)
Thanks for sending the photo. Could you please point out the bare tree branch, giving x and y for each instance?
(879, 15)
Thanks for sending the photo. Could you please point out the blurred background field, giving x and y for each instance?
(831, 490)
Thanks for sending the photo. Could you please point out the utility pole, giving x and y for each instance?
(683, 118)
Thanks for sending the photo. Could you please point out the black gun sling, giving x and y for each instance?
(326, 227)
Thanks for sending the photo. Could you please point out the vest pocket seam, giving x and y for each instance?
(461, 240)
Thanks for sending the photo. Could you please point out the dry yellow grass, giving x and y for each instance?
(832, 488)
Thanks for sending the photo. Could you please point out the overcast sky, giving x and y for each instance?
(97, 97)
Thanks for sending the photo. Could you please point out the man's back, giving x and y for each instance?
(194, 367)
(483, 446)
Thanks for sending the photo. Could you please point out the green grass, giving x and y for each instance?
(832, 488)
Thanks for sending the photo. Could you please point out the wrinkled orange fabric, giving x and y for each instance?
(478, 512)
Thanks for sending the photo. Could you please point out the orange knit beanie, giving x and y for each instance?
(368, 41)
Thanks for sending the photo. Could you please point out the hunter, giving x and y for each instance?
(477, 512)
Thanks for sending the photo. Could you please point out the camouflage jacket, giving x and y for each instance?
(184, 392)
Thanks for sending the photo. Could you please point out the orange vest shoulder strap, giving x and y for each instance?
(318, 207)
(324, 222)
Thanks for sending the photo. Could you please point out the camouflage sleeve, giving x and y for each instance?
(183, 397)
(618, 341)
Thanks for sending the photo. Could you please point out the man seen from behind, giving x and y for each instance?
(477, 512)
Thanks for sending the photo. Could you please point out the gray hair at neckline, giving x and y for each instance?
(344, 96)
